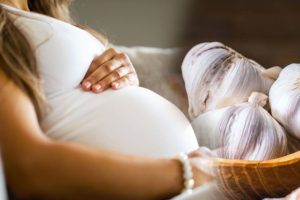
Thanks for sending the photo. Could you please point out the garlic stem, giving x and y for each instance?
(272, 72)
(258, 99)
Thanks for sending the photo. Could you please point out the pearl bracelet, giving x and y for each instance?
(187, 173)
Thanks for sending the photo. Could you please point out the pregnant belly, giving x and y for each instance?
(133, 120)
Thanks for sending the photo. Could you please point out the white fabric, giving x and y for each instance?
(132, 120)
(159, 70)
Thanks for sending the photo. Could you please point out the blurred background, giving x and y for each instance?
(267, 31)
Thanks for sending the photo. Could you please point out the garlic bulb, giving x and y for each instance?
(216, 76)
(245, 131)
(285, 99)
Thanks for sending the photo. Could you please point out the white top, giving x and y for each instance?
(133, 120)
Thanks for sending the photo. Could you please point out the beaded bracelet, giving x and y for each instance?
(187, 173)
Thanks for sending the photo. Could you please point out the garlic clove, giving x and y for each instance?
(272, 72)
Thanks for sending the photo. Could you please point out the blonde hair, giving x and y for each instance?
(18, 55)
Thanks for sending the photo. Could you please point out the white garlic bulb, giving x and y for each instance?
(245, 131)
(285, 99)
(216, 76)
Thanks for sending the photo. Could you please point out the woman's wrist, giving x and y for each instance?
(187, 173)
(170, 178)
(176, 174)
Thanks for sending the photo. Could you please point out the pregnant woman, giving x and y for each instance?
(64, 133)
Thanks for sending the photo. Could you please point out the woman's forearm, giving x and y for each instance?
(38, 168)
(71, 171)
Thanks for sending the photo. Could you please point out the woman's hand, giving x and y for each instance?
(202, 161)
(112, 69)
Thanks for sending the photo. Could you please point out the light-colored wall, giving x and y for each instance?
(135, 22)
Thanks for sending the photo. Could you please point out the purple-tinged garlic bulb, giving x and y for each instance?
(245, 131)
(216, 76)
(285, 99)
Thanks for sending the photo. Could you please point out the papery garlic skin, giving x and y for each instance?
(250, 133)
(216, 76)
(205, 127)
(245, 131)
(285, 99)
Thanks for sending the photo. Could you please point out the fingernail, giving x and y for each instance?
(115, 85)
(97, 87)
(87, 84)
